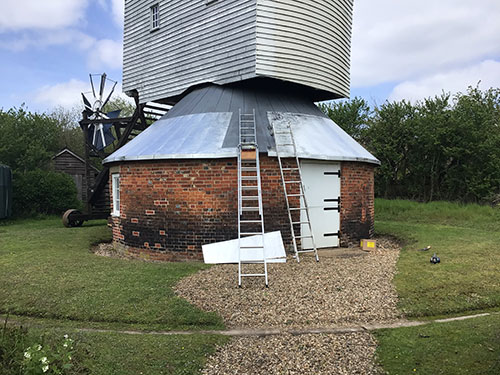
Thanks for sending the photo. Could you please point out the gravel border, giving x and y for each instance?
(347, 286)
(296, 355)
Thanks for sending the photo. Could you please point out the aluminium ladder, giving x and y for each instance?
(293, 186)
(250, 212)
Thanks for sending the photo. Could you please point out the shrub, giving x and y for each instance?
(24, 353)
(43, 192)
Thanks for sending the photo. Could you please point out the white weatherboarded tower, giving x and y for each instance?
(173, 45)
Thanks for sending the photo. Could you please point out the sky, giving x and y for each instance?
(401, 49)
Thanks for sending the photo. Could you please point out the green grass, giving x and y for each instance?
(51, 282)
(111, 353)
(465, 237)
(49, 272)
(461, 347)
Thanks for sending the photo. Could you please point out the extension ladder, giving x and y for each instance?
(250, 213)
(291, 177)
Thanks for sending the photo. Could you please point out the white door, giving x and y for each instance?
(322, 189)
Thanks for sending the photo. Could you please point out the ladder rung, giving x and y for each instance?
(248, 169)
(304, 236)
(250, 221)
(248, 178)
(297, 209)
(290, 169)
(252, 274)
(300, 222)
(306, 251)
(292, 182)
(249, 198)
(295, 195)
(251, 234)
(249, 187)
(249, 209)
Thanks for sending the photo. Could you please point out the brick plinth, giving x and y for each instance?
(357, 197)
(170, 208)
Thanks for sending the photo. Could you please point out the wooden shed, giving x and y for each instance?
(68, 162)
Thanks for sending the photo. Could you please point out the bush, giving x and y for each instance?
(22, 352)
(43, 192)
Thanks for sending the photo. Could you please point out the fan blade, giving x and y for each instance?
(86, 102)
(103, 83)
(92, 84)
(94, 138)
(103, 139)
(109, 96)
(114, 114)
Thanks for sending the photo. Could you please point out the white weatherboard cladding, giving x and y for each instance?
(195, 43)
(306, 42)
(170, 139)
(301, 41)
(319, 138)
(322, 189)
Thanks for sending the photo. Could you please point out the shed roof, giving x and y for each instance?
(204, 124)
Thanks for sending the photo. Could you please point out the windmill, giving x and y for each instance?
(99, 134)
(96, 126)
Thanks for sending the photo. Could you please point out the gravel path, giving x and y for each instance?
(347, 287)
(301, 355)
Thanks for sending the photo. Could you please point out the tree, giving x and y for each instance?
(352, 115)
(28, 140)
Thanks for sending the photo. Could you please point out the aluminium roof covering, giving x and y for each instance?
(204, 124)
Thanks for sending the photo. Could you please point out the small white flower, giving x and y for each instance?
(45, 368)
(69, 357)
(39, 347)
(44, 360)
(27, 355)
(65, 345)
(65, 336)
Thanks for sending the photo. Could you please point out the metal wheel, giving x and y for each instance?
(69, 220)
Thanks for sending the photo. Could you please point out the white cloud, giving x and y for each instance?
(100, 54)
(398, 40)
(68, 94)
(48, 38)
(105, 53)
(118, 8)
(39, 14)
(457, 80)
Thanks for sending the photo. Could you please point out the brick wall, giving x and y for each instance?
(357, 207)
(168, 209)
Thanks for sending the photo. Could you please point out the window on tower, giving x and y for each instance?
(155, 17)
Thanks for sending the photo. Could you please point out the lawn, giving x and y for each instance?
(50, 279)
(462, 347)
(465, 237)
(49, 272)
(467, 281)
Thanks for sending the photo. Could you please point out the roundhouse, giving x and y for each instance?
(175, 186)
